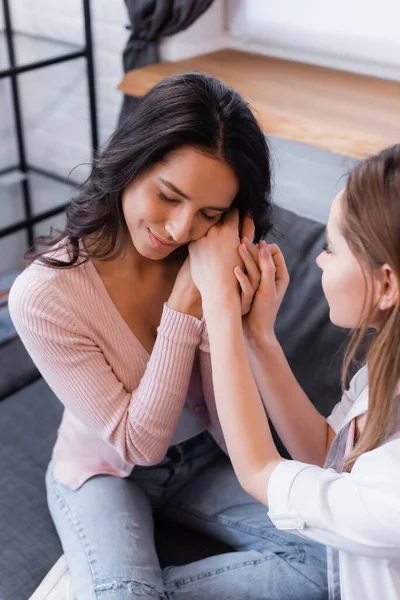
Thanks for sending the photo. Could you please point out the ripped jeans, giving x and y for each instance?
(106, 529)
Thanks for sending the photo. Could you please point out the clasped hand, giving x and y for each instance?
(234, 273)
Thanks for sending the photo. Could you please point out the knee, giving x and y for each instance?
(128, 589)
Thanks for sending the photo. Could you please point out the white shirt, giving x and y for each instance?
(358, 513)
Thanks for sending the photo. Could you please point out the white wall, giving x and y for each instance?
(355, 35)
(207, 34)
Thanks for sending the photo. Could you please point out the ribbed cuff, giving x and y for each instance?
(205, 342)
(180, 327)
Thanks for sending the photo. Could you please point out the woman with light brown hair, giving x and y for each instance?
(343, 487)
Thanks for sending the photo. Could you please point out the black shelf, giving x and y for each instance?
(27, 53)
(35, 52)
(47, 183)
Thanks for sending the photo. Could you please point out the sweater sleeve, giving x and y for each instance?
(138, 425)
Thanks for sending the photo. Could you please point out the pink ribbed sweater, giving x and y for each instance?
(121, 404)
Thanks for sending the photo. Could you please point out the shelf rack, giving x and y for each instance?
(19, 173)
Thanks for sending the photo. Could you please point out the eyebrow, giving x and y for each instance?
(173, 188)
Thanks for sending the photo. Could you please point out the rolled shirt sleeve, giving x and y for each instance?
(357, 512)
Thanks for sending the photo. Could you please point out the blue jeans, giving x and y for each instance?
(106, 529)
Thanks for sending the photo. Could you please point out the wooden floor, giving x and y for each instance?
(337, 111)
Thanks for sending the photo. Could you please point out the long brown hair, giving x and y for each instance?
(371, 227)
(190, 109)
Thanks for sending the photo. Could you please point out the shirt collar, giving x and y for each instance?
(359, 407)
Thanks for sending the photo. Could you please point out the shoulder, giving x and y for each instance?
(44, 292)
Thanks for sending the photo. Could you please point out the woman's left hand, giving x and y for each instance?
(213, 260)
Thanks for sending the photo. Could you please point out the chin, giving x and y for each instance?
(146, 250)
(154, 254)
(341, 322)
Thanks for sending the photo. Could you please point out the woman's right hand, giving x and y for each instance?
(213, 259)
(260, 321)
(185, 297)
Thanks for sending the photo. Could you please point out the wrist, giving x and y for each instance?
(261, 340)
(216, 305)
(224, 325)
(188, 303)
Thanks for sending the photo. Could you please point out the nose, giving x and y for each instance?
(179, 227)
(319, 260)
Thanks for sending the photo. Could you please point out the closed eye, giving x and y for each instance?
(165, 198)
(208, 217)
(326, 248)
(168, 200)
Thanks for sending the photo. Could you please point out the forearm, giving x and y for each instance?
(240, 410)
(157, 403)
(185, 298)
(302, 429)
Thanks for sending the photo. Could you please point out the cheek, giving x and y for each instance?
(344, 291)
(141, 209)
(201, 228)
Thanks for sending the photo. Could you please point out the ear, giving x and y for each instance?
(388, 287)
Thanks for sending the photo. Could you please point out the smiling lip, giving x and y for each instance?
(160, 244)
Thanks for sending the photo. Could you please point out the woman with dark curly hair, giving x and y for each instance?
(113, 321)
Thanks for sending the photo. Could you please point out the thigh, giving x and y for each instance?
(247, 575)
(216, 504)
(106, 529)
(182, 464)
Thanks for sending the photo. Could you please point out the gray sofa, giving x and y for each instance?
(306, 181)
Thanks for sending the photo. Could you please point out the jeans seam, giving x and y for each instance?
(226, 521)
(79, 529)
(181, 581)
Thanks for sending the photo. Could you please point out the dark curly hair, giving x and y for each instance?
(191, 109)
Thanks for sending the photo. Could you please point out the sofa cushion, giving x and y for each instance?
(28, 542)
(16, 368)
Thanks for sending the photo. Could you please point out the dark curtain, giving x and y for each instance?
(151, 20)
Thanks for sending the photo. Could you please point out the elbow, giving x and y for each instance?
(256, 482)
(247, 485)
(251, 485)
(148, 461)
(141, 447)
(148, 457)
